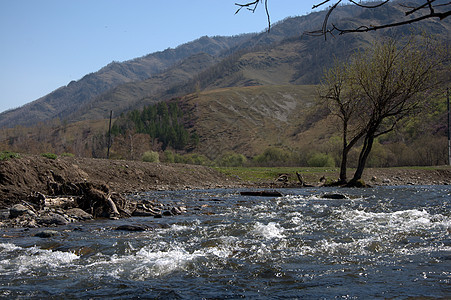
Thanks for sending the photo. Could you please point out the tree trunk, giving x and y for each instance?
(367, 145)
(343, 166)
(346, 148)
(344, 155)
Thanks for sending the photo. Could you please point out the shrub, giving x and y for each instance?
(273, 156)
(179, 159)
(169, 156)
(49, 155)
(66, 154)
(321, 160)
(196, 159)
(5, 155)
(151, 156)
(231, 159)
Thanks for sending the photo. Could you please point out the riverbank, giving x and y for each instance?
(37, 191)
(28, 174)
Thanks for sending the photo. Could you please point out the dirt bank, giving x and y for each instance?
(20, 177)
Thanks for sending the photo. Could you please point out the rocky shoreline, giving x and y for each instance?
(36, 191)
(40, 192)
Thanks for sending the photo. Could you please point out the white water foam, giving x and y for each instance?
(161, 263)
(8, 247)
(33, 258)
(399, 221)
(270, 231)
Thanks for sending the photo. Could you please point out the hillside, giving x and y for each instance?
(241, 94)
(65, 100)
(248, 120)
(282, 56)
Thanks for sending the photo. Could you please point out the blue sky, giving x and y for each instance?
(46, 44)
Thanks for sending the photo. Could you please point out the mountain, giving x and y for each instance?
(281, 57)
(243, 93)
(65, 100)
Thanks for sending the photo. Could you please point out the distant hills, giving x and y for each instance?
(250, 90)
(64, 101)
(282, 56)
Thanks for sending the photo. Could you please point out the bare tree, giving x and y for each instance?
(341, 96)
(379, 87)
(419, 11)
(395, 81)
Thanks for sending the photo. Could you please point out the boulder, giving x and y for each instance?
(53, 219)
(19, 210)
(177, 210)
(132, 228)
(47, 233)
(79, 214)
(144, 213)
(262, 193)
(335, 196)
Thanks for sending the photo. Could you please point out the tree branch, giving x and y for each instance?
(365, 28)
(321, 4)
(255, 4)
(370, 6)
(414, 9)
(247, 5)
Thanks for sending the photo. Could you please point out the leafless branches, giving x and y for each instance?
(426, 10)
(252, 6)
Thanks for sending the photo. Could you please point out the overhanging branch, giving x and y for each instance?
(439, 11)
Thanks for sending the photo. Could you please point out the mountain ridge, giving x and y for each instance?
(64, 100)
(246, 94)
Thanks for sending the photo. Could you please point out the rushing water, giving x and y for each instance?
(386, 242)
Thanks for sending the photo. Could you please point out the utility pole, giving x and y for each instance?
(109, 136)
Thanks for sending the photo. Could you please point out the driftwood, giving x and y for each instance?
(95, 199)
(67, 202)
(302, 181)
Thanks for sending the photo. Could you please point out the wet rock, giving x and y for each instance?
(178, 210)
(335, 196)
(47, 233)
(144, 213)
(143, 210)
(78, 214)
(19, 210)
(132, 228)
(262, 193)
(25, 221)
(167, 213)
(53, 219)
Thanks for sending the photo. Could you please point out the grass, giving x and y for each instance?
(49, 155)
(310, 174)
(266, 174)
(5, 155)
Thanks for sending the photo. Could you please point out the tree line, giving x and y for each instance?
(164, 122)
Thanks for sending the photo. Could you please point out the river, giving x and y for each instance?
(383, 242)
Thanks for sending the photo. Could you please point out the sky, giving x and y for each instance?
(46, 44)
